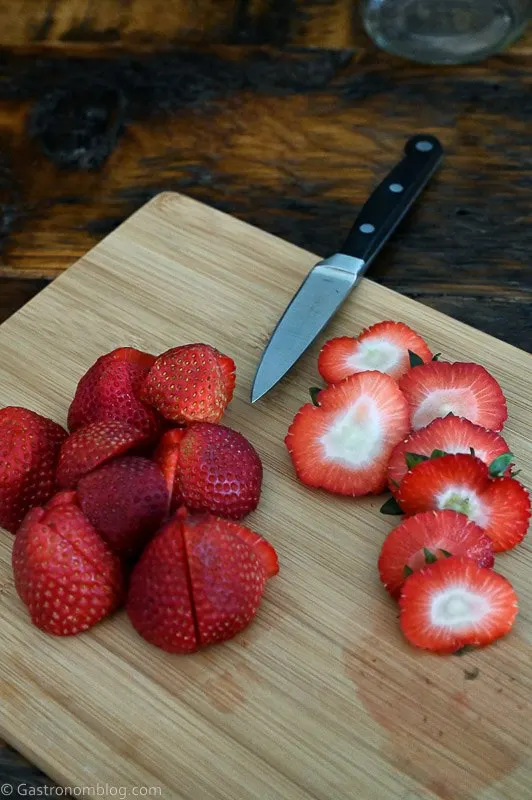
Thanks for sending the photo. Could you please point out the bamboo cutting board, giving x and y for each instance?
(320, 697)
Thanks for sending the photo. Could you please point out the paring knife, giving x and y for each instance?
(329, 283)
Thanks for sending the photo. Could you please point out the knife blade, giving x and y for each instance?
(331, 280)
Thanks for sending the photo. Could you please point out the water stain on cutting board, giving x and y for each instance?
(455, 724)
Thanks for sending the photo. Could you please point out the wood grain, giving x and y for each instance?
(320, 694)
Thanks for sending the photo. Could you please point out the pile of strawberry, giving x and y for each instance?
(395, 416)
(139, 504)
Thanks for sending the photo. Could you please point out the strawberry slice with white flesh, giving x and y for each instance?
(455, 603)
(426, 538)
(343, 444)
(451, 435)
(501, 506)
(385, 346)
(465, 390)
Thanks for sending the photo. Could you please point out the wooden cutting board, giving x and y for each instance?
(320, 697)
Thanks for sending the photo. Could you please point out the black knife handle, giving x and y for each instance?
(393, 198)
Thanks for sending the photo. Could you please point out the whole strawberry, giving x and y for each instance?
(126, 501)
(199, 581)
(191, 383)
(211, 468)
(64, 572)
(29, 450)
(110, 391)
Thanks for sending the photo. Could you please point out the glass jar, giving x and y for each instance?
(445, 31)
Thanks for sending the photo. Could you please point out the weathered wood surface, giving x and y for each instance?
(230, 101)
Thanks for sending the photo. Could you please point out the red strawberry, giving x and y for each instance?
(262, 548)
(465, 390)
(450, 435)
(110, 390)
(64, 572)
(67, 497)
(500, 506)
(343, 445)
(427, 537)
(454, 603)
(197, 582)
(90, 447)
(211, 468)
(126, 501)
(29, 449)
(382, 347)
(192, 383)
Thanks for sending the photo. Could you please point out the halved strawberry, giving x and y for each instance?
(501, 506)
(454, 603)
(110, 390)
(344, 444)
(191, 383)
(426, 538)
(89, 447)
(384, 347)
(465, 390)
(451, 435)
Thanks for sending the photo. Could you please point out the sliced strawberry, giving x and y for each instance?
(454, 603)
(192, 383)
(465, 390)
(89, 447)
(384, 347)
(167, 457)
(110, 390)
(428, 537)
(29, 450)
(344, 444)
(451, 435)
(64, 572)
(500, 506)
(126, 500)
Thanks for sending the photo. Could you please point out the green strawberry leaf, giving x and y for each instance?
(472, 451)
(450, 414)
(314, 392)
(392, 507)
(446, 553)
(436, 357)
(430, 558)
(415, 360)
(413, 459)
(438, 454)
(498, 467)
(395, 483)
(515, 473)
(407, 572)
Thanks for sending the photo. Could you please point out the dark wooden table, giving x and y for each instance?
(278, 111)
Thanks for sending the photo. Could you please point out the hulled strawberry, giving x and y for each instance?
(465, 390)
(126, 501)
(191, 383)
(343, 445)
(110, 391)
(211, 468)
(455, 603)
(427, 537)
(90, 447)
(450, 435)
(501, 506)
(385, 347)
(29, 450)
(64, 572)
(199, 581)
